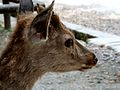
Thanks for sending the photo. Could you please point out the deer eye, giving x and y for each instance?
(69, 43)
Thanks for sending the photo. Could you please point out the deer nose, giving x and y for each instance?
(91, 59)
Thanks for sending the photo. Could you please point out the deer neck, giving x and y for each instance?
(16, 68)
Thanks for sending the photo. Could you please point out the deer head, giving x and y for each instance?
(50, 38)
(40, 43)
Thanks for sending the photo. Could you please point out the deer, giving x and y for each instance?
(40, 43)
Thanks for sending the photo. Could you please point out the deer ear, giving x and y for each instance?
(40, 25)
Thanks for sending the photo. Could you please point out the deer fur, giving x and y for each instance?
(31, 52)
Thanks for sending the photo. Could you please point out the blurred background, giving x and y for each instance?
(113, 5)
(96, 22)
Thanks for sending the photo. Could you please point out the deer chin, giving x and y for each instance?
(85, 67)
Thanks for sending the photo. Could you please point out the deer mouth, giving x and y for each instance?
(85, 68)
(88, 65)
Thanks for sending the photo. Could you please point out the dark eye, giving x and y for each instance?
(69, 43)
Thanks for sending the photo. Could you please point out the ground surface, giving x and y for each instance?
(106, 74)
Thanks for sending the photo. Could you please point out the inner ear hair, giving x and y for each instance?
(39, 28)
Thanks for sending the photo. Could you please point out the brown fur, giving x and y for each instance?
(23, 62)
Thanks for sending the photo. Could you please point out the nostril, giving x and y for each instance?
(95, 58)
